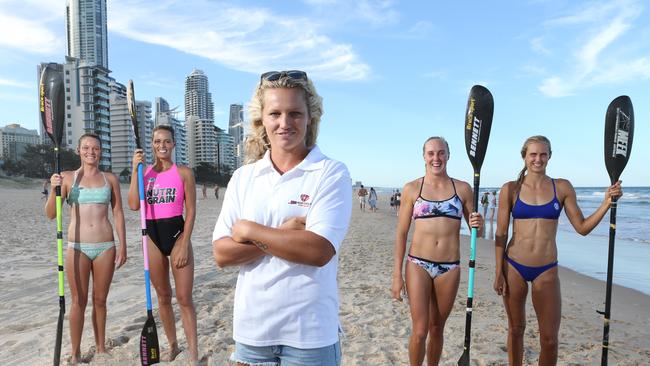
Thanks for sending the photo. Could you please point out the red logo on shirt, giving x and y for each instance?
(303, 201)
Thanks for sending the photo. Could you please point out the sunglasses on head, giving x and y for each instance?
(291, 74)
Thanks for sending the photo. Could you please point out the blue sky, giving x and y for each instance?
(391, 73)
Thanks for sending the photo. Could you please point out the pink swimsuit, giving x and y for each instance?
(165, 194)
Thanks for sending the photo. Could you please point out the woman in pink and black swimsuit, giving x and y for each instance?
(169, 188)
(535, 201)
(435, 203)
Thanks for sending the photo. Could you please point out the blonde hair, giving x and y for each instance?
(257, 142)
(436, 138)
(533, 139)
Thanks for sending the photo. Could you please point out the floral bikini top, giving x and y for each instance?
(451, 208)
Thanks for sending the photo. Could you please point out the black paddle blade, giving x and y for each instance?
(149, 350)
(478, 122)
(52, 102)
(130, 103)
(619, 131)
(59, 336)
(464, 359)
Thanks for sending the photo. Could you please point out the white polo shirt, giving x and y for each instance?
(278, 302)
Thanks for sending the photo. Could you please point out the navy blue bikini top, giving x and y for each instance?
(451, 207)
(550, 210)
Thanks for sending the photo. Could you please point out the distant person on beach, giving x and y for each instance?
(493, 204)
(485, 201)
(283, 219)
(216, 191)
(535, 201)
(46, 183)
(91, 243)
(435, 203)
(398, 201)
(168, 189)
(372, 199)
(362, 193)
(204, 190)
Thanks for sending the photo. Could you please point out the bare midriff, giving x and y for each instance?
(436, 239)
(93, 227)
(533, 242)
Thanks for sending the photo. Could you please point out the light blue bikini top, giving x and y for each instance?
(85, 195)
(451, 207)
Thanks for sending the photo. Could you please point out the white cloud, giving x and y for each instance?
(537, 44)
(602, 52)
(13, 83)
(377, 12)
(420, 29)
(245, 39)
(28, 35)
(373, 12)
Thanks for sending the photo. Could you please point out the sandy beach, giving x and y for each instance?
(376, 327)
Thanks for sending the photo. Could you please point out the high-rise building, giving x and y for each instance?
(14, 139)
(87, 32)
(122, 138)
(145, 124)
(166, 116)
(201, 141)
(198, 100)
(225, 158)
(236, 130)
(199, 120)
(86, 75)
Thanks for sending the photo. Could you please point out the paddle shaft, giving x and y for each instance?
(470, 278)
(610, 273)
(145, 249)
(59, 249)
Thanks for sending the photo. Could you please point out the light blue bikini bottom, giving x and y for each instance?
(92, 250)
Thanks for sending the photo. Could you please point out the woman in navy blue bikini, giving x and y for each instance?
(435, 203)
(535, 201)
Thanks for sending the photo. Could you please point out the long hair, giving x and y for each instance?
(539, 139)
(257, 141)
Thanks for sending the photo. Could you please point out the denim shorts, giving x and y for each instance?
(287, 356)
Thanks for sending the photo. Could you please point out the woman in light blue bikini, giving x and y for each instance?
(435, 203)
(91, 244)
(535, 201)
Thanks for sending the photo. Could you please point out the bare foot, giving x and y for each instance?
(170, 354)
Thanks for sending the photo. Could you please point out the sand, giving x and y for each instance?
(376, 327)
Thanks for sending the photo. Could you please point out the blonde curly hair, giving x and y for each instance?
(257, 142)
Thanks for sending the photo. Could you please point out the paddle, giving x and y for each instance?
(149, 350)
(619, 131)
(52, 111)
(478, 122)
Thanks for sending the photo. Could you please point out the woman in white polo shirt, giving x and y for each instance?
(282, 222)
